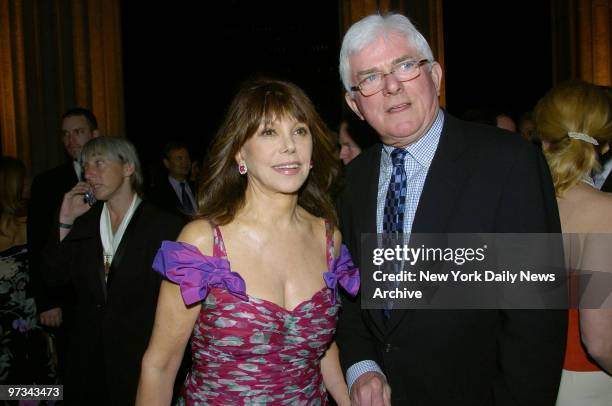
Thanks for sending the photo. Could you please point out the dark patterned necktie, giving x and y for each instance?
(395, 206)
(187, 205)
(395, 202)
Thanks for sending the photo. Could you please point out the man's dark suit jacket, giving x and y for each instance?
(481, 180)
(163, 195)
(114, 320)
(47, 193)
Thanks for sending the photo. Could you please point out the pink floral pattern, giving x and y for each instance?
(250, 351)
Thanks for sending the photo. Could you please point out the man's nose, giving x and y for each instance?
(391, 84)
(88, 173)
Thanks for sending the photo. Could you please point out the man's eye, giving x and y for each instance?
(404, 66)
(372, 78)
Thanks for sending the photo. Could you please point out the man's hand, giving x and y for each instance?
(371, 389)
(51, 317)
(74, 204)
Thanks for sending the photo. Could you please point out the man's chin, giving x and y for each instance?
(75, 155)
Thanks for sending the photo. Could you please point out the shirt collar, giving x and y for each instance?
(175, 182)
(424, 149)
(78, 170)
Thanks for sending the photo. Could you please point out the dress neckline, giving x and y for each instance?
(220, 252)
(296, 309)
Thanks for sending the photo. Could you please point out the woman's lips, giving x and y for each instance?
(289, 168)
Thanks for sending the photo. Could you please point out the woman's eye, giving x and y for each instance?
(268, 131)
(301, 131)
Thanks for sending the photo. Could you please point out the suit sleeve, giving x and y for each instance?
(354, 339)
(531, 342)
(40, 227)
(56, 257)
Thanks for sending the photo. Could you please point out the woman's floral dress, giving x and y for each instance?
(250, 351)
(24, 348)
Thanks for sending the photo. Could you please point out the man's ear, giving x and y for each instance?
(95, 133)
(166, 163)
(436, 75)
(353, 105)
(128, 169)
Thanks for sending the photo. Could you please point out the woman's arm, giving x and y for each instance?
(332, 376)
(596, 328)
(596, 324)
(173, 325)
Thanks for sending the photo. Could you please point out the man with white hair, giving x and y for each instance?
(438, 175)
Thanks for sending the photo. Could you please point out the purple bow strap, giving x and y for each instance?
(196, 273)
(343, 272)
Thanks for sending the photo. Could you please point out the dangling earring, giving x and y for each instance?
(242, 168)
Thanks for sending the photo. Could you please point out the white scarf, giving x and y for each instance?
(110, 241)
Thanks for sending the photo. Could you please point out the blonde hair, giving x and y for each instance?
(574, 106)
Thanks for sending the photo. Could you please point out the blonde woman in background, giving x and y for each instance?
(574, 122)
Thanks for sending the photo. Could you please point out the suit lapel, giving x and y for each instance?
(172, 196)
(89, 229)
(444, 180)
(69, 176)
(367, 224)
(448, 172)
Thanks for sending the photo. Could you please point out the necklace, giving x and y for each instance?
(108, 258)
(588, 180)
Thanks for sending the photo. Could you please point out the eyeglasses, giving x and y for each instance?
(403, 72)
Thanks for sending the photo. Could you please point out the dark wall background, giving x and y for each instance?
(498, 54)
(184, 62)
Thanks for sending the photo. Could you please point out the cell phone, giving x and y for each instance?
(89, 198)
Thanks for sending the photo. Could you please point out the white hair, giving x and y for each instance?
(368, 29)
(116, 149)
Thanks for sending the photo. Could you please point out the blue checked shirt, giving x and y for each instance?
(416, 164)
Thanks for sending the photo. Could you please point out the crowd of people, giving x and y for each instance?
(244, 286)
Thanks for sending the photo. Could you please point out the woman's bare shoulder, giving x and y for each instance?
(319, 224)
(198, 233)
(587, 211)
(601, 207)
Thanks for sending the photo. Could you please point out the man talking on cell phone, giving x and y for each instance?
(79, 125)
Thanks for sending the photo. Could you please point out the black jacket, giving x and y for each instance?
(481, 180)
(114, 320)
(46, 197)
